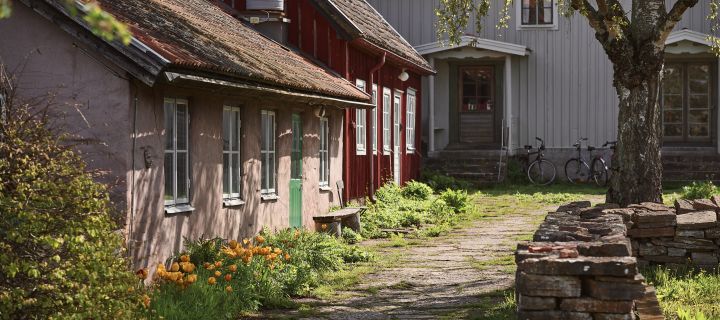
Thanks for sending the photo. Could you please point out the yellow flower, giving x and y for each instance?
(228, 277)
(233, 244)
(211, 280)
(297, 234)
(218, 273)
(232, 268)
(277, 251)
(175, 267)
(260, 239)
(246, 259)
(188, 267)
(246, 240)
(228, 289)
(185, 258)
(191, 278)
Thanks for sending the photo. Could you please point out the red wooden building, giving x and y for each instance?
(352, 38)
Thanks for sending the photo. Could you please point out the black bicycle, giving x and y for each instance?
(540, 171)
(577, 169)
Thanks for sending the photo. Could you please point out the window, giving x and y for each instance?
(324, 154)
(177, 168)
(360, 123)
(410, 119)
(687, 97)
(231, 153)
(387, 101)
(537, 13)
(374, 117)
(267, 153)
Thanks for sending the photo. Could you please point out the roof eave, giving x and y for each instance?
(688, 35)
(473, 42)
(420, 69)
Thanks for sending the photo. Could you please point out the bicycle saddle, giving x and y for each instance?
(528, 147)
(591, 148)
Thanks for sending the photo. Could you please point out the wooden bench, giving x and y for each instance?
(348, 217)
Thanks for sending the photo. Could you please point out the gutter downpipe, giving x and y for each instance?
(369, 133)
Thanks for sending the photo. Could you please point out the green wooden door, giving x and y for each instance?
(296, 173)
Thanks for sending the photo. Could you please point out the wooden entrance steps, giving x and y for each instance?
(479, 166)
(695, 164)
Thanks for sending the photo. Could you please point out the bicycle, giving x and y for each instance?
(598, 167)
(540, 171)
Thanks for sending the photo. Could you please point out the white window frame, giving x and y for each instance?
(324, 178)
(265, 155)
(520, 26)
(175, 151)
(236, 121)
(410, 112)
(387, 104)
(374, 115)
(361, 123)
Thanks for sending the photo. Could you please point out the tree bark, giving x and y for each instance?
(637, 164)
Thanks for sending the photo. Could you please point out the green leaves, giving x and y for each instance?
(5, 8)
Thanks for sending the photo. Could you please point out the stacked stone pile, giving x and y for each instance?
(580, 266)
(686, 234)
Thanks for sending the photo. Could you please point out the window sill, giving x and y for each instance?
(410, 150)
(236, 202)
(537, 27)
(269, 197)
(180, 208)
(325, 188)
(360, 153)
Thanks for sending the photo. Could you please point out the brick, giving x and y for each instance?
(596, 266)
(690, 244)
(620, 248)
(553, 315)
(703, 258)
(652, 233)
(614, 290)
(704, 204)
(665, 259)
(676, 252)
(650, 206)
(656, 219)
(683, 206)
(596, 305)
(697, 220)
(574, 206)
(626, 214)
(536, 303)
(713, 233)
(596, 211)
(649, 249)
(638, 278)
(549, 286)
(699, 234)
(614, 316)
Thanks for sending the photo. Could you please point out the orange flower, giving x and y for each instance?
(175, 267)
(246, 259)
(212, 280)
(142, 274)
(260, 239)
(297, 234)
(191, 278)
(232, 268)
(228, 289)
(323, 226)
(206, 265)
(233, 244)
(277, 251)
(218, 264)
(228, 277)
(146, 301)
(287, 257)
(187, 266)
(246, 240)
(185, 258)
(218, 273)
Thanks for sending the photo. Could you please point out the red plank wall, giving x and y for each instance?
(312, 33)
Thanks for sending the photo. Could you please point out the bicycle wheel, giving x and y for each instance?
(577, 171)
(542, 172)
(600, 172)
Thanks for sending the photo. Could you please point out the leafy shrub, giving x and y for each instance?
(458, 200)
(685, 289)
(59, 256)
(389, 194)
(350, 236)
(436, 230)
(515, 172)
(699, 190)
(416, 191)
(438, 181)
(247, 275)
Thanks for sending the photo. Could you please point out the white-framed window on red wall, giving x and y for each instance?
(176, 162)
(411, 109)
(387, 104)
(374, 115)
(361, 123)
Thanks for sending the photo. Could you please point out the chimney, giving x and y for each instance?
(268, 17)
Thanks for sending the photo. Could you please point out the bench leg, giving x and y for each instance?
(352, 222)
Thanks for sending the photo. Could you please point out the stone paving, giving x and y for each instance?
(443, 277)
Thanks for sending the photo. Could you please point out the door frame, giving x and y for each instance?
(397, 146)
(295, 209)
(455, 65)
(685, 142)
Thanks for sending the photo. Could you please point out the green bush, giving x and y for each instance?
(438, 181)
(458, 200)
(699, 190)
(685, 289)
(350, 236)
(264, 272)
(515, 172)
(59, 256)
(416, 191)
(389, 194)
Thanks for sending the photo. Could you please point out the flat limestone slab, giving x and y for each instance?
(596, 266)
(697, 220)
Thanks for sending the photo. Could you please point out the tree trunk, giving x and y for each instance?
(637, 166)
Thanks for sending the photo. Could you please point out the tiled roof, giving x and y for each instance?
(376, 30)
(197, 35)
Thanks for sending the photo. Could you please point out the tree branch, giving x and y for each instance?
(674, 16)
(594, 18)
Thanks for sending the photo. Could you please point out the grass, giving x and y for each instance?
(497, 305)
(686, 290)
(504, 263)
